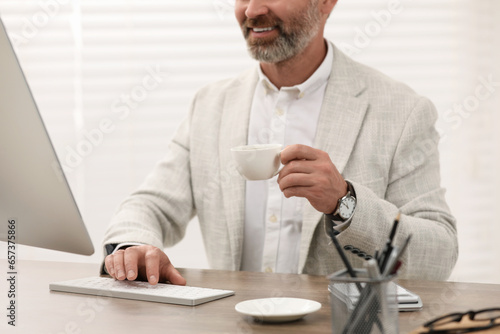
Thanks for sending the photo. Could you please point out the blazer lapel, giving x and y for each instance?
(234, 132)
(340, 121)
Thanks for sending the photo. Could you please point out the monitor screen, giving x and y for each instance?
(36, 203)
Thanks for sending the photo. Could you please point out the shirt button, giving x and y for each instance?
(273, 219)
(268, 270)
(301, 95)
(280, 112)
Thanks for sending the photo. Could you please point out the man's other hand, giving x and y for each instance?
(144, 262)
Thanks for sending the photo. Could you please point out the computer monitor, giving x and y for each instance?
(34, 194)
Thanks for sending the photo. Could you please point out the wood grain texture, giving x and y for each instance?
(42, 311)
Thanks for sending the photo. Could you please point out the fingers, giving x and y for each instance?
(118, 265)
(131, 259)
(310, 173)
(307, 173)
(299, 167)
(173, 275)
(143, 262)
(298, 152)
(122, 264)
(160, 269)
(108, 262)
(152, 260)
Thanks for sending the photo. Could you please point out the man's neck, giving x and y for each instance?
(298, 69)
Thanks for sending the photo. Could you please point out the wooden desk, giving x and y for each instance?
(42, 311)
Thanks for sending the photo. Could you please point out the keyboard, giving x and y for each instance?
(160, 293)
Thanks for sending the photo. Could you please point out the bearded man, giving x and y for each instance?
(354, 138)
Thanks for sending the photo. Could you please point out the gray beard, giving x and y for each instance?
(288, 44)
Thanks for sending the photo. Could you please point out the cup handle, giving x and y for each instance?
(278, 171)
(281, 167)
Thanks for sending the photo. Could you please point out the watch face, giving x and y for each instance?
(346, 208)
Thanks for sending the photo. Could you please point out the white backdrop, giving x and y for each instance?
(136, 64)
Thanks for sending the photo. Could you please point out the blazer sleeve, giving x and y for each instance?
(159, 211)
(413, 188)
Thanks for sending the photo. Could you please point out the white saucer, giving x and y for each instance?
(277, 309)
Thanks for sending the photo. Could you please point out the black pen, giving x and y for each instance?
(395, 227)
(344, 258)
(347, 264)
(388, 246)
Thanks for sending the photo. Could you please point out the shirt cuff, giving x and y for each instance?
(125, 245)
(337, 226)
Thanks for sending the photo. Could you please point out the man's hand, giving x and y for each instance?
(309, 173)
(142, 262)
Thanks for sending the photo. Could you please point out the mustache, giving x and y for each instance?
(261, 22)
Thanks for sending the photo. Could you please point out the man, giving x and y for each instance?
(360, 148)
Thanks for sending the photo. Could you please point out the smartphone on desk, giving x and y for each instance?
(407, 300)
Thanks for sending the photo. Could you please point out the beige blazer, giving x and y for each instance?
(379, 134)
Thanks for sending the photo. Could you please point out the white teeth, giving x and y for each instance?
(262, 29)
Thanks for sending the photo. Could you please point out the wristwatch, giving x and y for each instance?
(345, 206)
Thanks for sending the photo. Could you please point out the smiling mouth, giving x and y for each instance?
(263, 29)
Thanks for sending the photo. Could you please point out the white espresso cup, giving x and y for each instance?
(257, 162)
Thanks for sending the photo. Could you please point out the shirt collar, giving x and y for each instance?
(316, 80)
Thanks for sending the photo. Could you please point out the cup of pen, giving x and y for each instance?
(363, 304)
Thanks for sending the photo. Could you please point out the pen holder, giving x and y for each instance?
(362, 304)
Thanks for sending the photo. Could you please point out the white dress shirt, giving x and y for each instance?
(284, 116)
